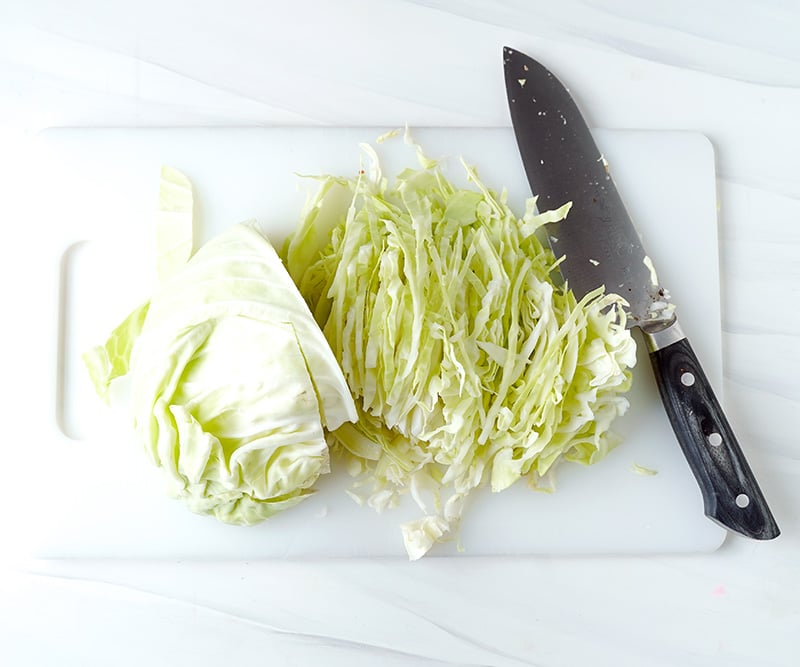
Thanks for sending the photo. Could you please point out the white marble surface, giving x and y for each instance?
(728, 69)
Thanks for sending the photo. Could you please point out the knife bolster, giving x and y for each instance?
(663, 337)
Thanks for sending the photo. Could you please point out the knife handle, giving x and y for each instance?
(731, 495)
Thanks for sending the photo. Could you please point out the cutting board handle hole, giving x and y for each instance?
(100, 282)
(65, 418)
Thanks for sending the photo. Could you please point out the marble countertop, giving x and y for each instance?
(728, 69)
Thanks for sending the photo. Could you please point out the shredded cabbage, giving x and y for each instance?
(469, 362)
(232, 380)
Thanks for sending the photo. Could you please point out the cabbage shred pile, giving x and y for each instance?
(469, 361)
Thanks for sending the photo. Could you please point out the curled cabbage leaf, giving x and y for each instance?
(470, 362)
(232, 381)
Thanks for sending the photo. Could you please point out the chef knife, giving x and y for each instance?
(600, 246)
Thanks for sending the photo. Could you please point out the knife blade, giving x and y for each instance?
(601, 246)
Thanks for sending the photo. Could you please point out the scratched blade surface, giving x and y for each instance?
(597, 239)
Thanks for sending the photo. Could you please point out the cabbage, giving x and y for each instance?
(232, 381)
(469, 362)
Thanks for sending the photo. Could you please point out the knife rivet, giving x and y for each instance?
(742, 500)
(687, 379)
(715, 439)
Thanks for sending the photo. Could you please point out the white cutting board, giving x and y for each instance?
(98, 496)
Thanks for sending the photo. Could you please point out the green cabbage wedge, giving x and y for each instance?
(232, 381)
(469, 362)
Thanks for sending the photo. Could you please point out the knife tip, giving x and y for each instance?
(508, 52)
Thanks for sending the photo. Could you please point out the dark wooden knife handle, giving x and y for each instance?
(731, 494)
